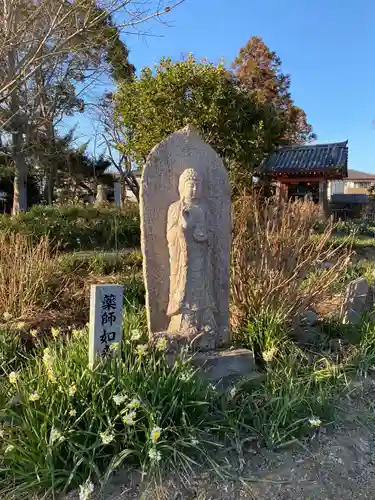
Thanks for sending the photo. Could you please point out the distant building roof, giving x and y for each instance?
(137, 173)
(356, 174)
(330, 160)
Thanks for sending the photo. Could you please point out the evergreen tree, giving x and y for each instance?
(259, 70)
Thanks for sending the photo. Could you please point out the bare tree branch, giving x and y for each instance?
(63, 31)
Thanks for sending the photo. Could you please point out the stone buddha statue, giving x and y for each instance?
(191, 306)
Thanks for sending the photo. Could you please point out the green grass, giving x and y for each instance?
(279, 411)
(11, 357)
(362, 353)
(298, 383)
(356, 241)
(59, 414)
(53, 442)
(296, 386)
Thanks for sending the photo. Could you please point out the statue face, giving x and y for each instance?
(192, 190)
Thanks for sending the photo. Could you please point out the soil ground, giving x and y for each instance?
(336, 464)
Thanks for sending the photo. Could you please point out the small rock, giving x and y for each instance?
(327, 265)
(308, 318)
(358, 301)
(306, 335)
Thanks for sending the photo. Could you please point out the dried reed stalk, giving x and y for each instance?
(274, 255)
(28, 275)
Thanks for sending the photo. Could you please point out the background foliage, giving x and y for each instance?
(229, 117)
(78, 226)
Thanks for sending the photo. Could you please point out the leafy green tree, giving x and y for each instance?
(259, 69)
(239, 127)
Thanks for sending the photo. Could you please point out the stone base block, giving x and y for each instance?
(225, 365)
(201, 342)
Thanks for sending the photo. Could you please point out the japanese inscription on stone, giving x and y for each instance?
(105, 321)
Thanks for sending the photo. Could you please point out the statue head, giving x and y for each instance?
(190, 185)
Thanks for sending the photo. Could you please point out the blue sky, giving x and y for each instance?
(326, 46)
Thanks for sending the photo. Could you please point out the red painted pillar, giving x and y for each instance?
(323, 199)
(282, 191)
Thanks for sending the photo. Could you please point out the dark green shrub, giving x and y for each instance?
(79, 227)
(357, 227)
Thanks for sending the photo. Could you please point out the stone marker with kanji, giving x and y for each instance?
(105, 321)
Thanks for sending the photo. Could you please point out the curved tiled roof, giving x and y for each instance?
(330, 159)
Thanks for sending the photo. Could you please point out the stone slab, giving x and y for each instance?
(204, 341)
(358, 301)
(225, 365)
(101, 195)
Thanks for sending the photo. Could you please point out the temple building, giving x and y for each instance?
(307, 171)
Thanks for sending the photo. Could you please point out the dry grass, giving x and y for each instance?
(29, 278)
(42, 288)
(277, 258)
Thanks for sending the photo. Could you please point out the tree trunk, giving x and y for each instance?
(50, 186)
(20, 180)
(50, 160)
(18, 154)
(19, 159)
(123, 190)
(123, 195)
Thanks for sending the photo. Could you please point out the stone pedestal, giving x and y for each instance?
(226, 366)
(201, 342)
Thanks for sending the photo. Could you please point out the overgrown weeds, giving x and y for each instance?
(361, 353)
(63, 425)
(101, 263)
(40, 286)
(275, 249)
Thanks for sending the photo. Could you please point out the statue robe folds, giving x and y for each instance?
(186, 266)
(191, 304)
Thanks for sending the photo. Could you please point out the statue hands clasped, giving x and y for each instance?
(193, 218)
